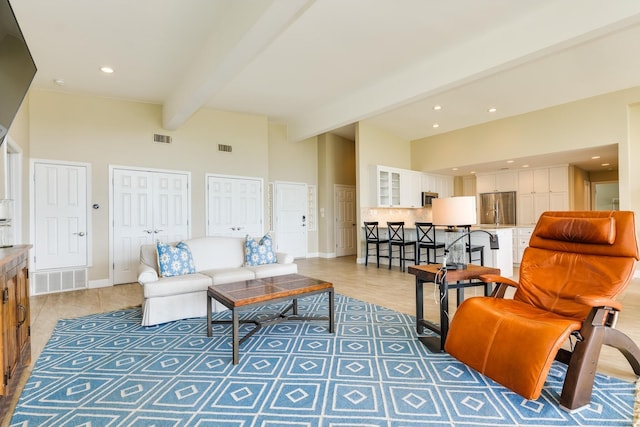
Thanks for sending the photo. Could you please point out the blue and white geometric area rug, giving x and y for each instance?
(107, 370)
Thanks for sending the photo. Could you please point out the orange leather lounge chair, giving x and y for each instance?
(575, 266)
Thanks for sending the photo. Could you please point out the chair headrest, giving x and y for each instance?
(610, 233)
(600, 231)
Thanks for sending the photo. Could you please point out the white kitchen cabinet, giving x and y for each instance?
(485, 183)
(411, 189)
(523, 235)
(559, 179)
(559, 201)
(429, 183)
(540, 190)
(531, 206)
(441, 184)
(387, 186)
(500, 181)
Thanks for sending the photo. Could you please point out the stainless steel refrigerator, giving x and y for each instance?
(498, 208)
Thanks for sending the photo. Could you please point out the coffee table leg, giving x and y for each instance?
(419, 306)
(295, 307)
(235, 335)
(208, 316)
(331, 312)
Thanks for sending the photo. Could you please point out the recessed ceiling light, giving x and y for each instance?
(435, 125)
(59, 82)
(595, 157)
(605, 164)
(437, 107)
(454, 169)
(509, 161)
(492, 110)
(525, 166)
(106, 70)
(472, 172)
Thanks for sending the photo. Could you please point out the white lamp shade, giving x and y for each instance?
(453, 211)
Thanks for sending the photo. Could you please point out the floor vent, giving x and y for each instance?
(164, 139)
(45, 282)
(223, 147)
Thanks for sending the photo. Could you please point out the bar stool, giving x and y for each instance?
(396, 238)
(473, 248)
(426, 239)
(373, 238)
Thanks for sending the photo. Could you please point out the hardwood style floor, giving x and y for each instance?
(389, 288)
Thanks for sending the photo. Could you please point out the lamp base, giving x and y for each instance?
(456, 266)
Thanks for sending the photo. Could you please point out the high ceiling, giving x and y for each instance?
(323, 65)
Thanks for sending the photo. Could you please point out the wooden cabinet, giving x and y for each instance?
(15, 337)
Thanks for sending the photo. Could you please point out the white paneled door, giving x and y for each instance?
(234, 206)
(345, 213)
(148, 206)
(290, 212)
(60, 216)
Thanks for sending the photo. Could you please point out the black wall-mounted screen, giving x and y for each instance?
(17, 68)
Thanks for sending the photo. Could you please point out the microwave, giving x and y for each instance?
(427, 198)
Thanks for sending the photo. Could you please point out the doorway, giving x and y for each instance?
(605, 196)
(345, 223)
(290, 218)
(61, 238)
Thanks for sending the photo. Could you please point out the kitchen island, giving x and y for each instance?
(501, 258)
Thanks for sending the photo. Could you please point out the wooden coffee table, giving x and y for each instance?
(256, 292)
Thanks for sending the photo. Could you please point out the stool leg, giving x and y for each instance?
(366, 254)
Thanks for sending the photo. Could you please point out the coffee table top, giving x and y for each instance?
(245, 292)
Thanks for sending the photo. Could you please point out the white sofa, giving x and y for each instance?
(217, 260)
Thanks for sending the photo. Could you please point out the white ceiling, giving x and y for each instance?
(323, 65)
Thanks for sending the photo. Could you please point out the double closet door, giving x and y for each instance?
(148, 206)
(234, 206)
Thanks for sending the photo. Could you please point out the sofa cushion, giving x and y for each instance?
(177, 285)
(174, 260)
(217, 252)
(269, 270)
(227, 275)
(259, 252)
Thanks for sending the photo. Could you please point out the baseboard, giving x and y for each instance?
(102, 283)
(327, 255)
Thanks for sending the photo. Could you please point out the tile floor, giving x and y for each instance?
(389, 288)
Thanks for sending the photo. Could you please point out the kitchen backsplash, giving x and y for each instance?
(384, 215)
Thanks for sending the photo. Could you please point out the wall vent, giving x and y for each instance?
(164, 139)
(223, 147)
(45, 282)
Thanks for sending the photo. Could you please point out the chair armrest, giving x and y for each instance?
(597, 301)
(146, 274)
(503, 284)
(283, 258)
(494, 278)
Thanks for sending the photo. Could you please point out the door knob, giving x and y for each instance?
(81, 234)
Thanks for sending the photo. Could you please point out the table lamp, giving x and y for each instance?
(454, 212)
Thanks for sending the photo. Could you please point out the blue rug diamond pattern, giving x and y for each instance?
(107, 370)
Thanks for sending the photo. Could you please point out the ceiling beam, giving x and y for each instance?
(247, 28)
(552, 29)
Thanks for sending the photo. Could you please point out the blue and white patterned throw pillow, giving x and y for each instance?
(259, 253)
(175, 260)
